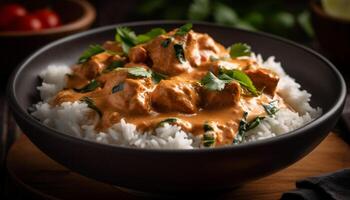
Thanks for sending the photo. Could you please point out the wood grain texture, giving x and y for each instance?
(32, 169)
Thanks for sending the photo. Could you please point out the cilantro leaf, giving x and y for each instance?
(126, 37)
(241, 77)
(179, 53)
(89, 87)
(91, 104)
(113, 65)
(139, 72)
(143, 38)
(211, 82)
(91, 51)
(240, 49)
(184, 29)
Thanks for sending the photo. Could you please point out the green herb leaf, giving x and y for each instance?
(179, 53)
(208, 139)
(167, 121)
(157, 77)
(139, 72)
(211, 82)
(224, 14)
(126, 37)
(207, 127)
(241, 77)
(240, 49)
(91, 104)
(183, 30)
(254, 123)
(245, 126)
(91, 51)
(118, 88)
(166, 42)
(143, 38)
(89, 87)
(114, 65)
(199, 10)
(271, 108)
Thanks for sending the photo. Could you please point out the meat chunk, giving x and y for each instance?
(229, 96)
(264, 80)
(138, 54)
(112, 46)
(176, 96)
(133, 98)
(164, 58)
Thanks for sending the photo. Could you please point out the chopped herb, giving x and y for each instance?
(143, 38)
(89, 87)
(166, 42)
(271, 108)
(167, 121)
(91, 51)
(91, 104)
(126, 37)
(157, 77)
(240, 49)
(118, 88)
(207, 127)
(139, 72)
(241, 77)
(211, 82)
(183, 30)
(179, 53)
(208, 139)
(113, 65)
(245, 126)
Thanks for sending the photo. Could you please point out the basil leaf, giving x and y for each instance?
(139, 72)
(241, 77)
(240, 49)
(157, 77)
(245, 126)
(207, 127)
(118, 88)
(183, 30)
(91, 51)
(114, 65)
(143, 38)
(254, 123)
(208, 139)
(89, 87)
(271, 108)
(91, 104)
(179, 53)
(166, 42)
(126, 37)
(211, 82)
(167, 121)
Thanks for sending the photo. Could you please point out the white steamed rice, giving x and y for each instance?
(71, 118)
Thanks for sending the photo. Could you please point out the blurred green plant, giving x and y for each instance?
(274, 16)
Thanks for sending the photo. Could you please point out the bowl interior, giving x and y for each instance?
(313, 73)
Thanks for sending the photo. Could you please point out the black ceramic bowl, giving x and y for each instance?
(181, 170)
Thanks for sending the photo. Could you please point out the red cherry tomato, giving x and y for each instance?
(26, 23)
(10, 12)
(48, 18)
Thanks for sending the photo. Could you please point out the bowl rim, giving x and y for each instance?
(24, 115)
(87, 18)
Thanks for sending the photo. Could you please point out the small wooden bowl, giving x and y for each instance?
(76, 16)
(333, 34)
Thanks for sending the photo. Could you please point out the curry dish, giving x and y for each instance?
(180, 77)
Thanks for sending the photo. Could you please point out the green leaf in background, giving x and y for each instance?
(281, 23)
(240, 49)
(91, 51)
(139, 72)
(224, 14)
(89, 87)
(305, 23)
(126, 37)
(184, 29)
(143, 38)
(211, 82)
(199, 10)
(255, 19)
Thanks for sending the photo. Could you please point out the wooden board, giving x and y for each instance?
(37, 173)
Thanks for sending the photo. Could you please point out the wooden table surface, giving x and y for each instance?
(35, 172)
